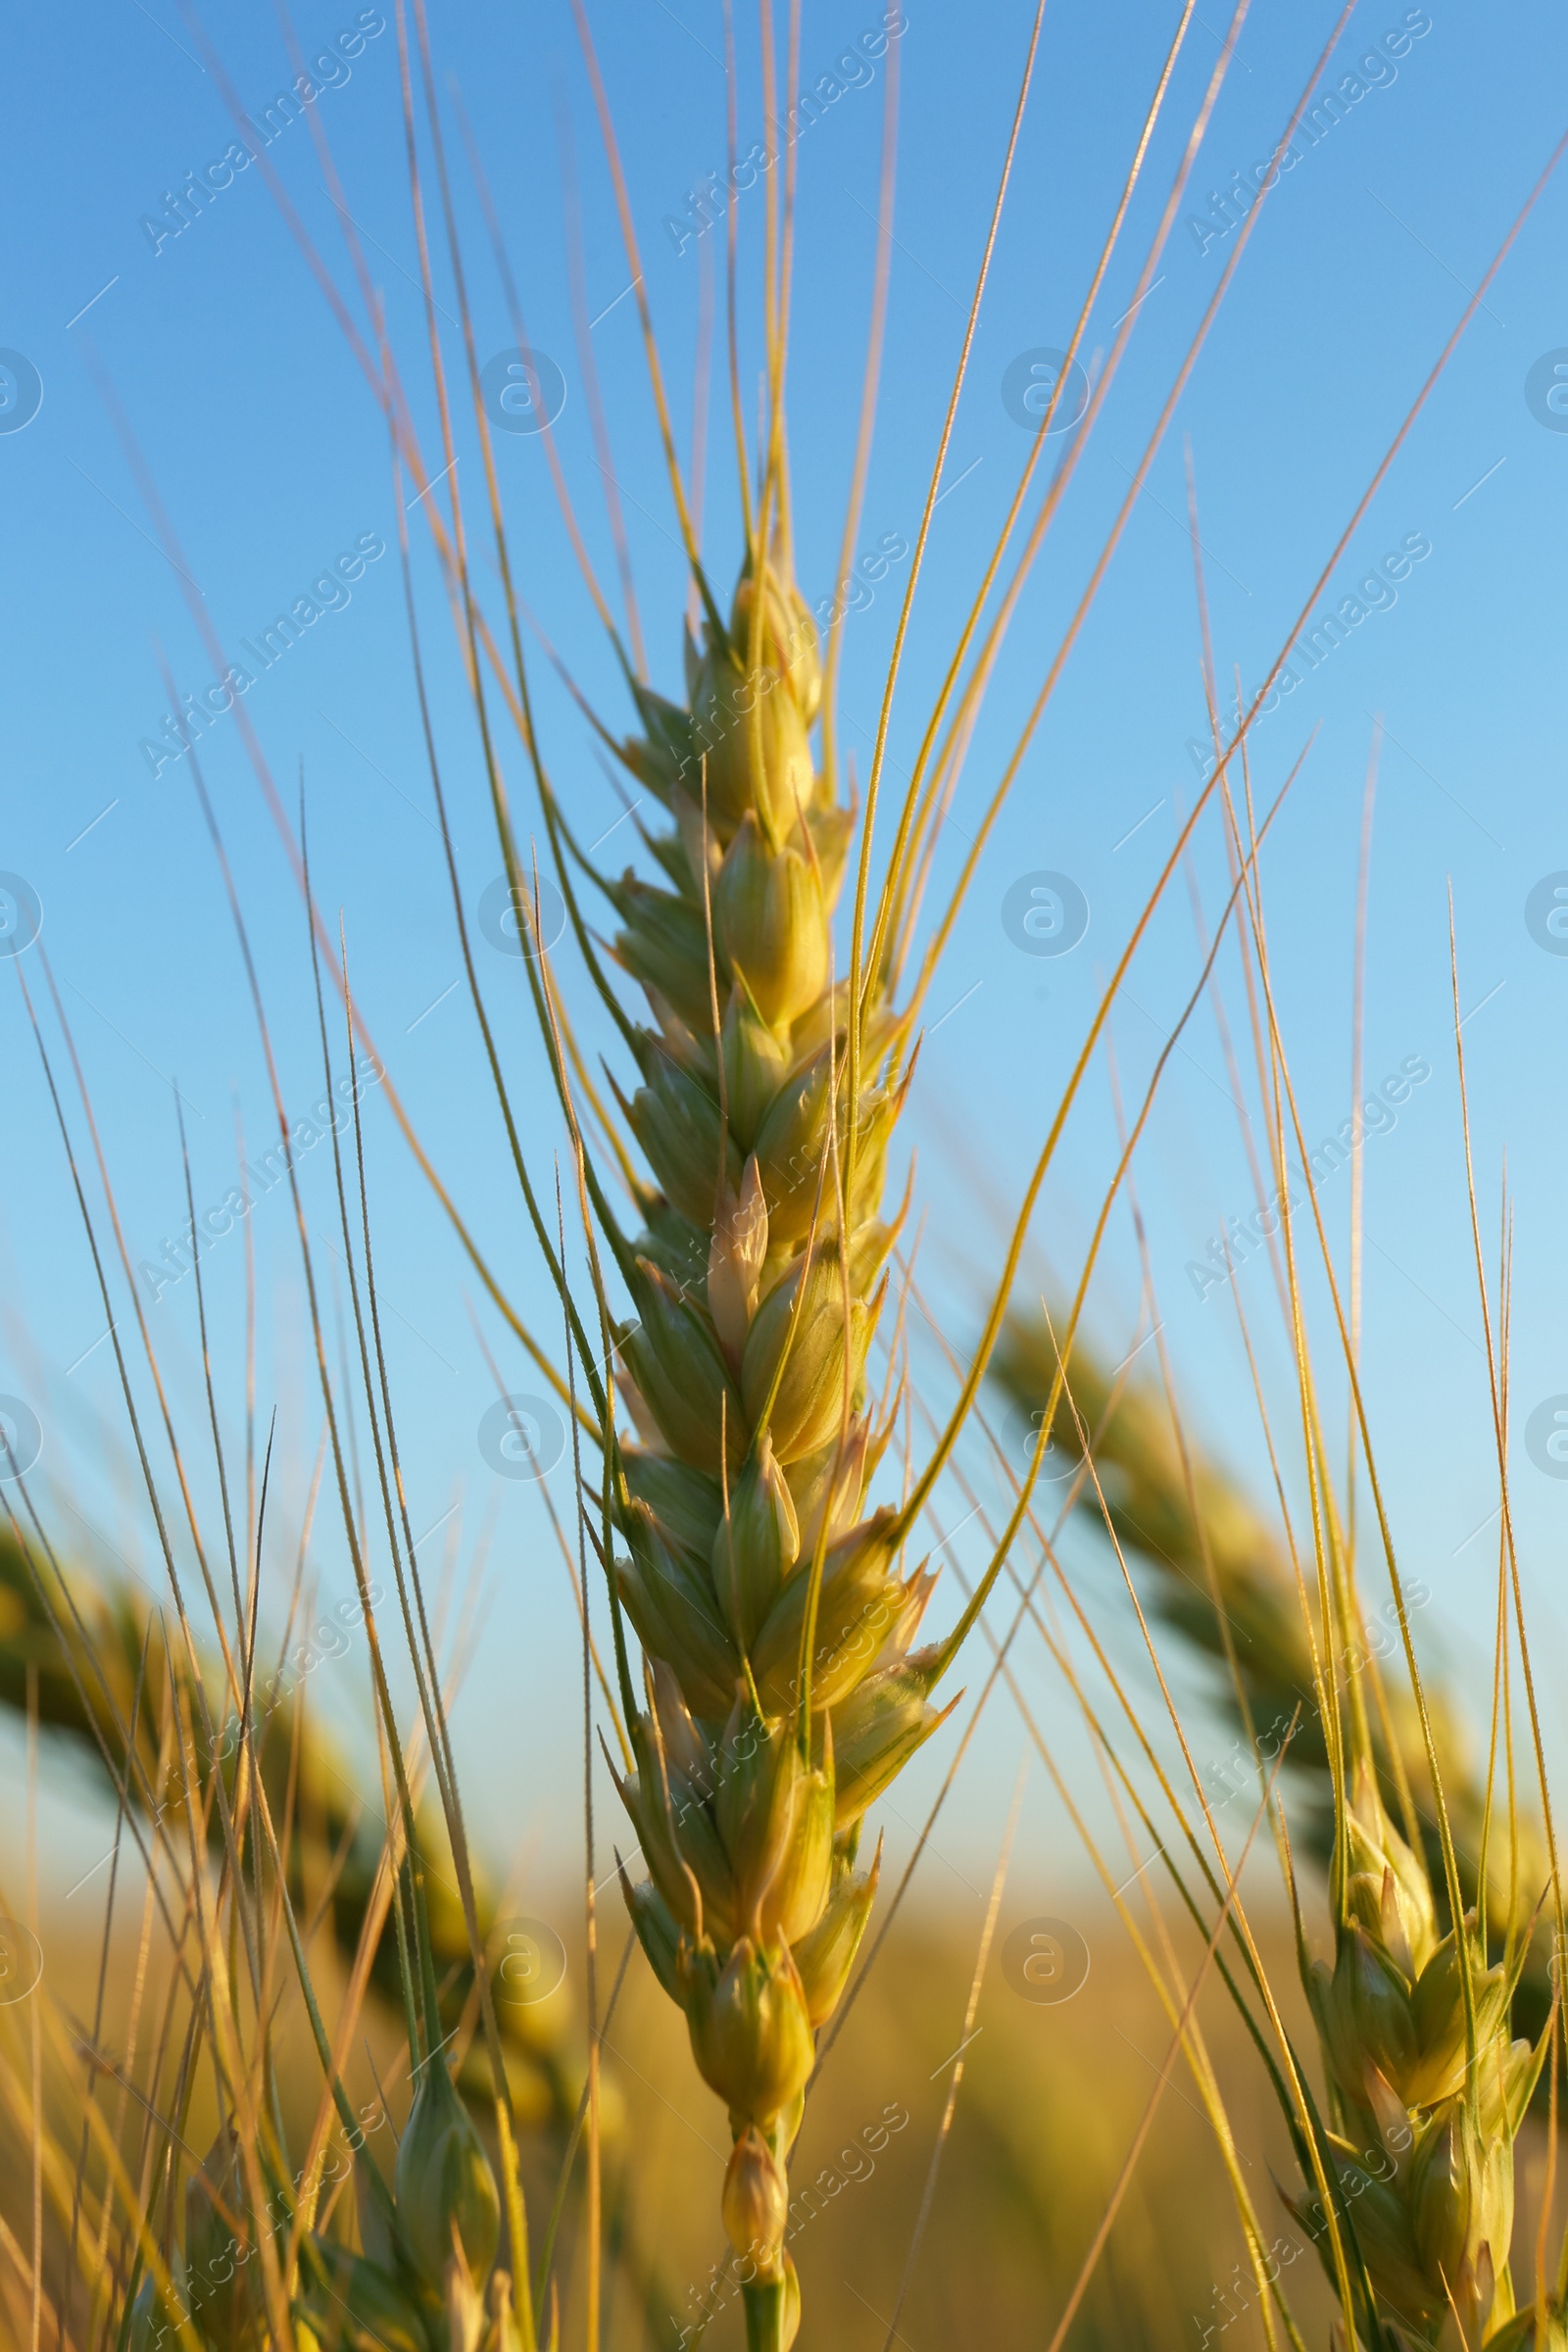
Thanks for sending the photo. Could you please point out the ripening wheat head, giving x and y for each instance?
(776, 1622)
(1427, 2087)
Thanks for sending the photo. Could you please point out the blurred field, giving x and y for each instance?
(1049, 2100)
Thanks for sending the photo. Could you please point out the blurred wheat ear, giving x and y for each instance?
(94, 1651)
(1224, 1582)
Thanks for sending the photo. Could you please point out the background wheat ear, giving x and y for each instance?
(93, 1649)
(1223, 1580)
(97, 1648)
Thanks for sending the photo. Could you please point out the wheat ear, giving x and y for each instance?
(1191, 1522)
(782, 1693)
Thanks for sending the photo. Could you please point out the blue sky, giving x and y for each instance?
(266, 449)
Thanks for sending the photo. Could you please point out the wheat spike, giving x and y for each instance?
(1150, 1504)
(97, 1649)
(782, 1693)
(102, 1681)
(1427, 2088)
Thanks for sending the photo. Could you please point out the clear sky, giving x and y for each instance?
(259, 435)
